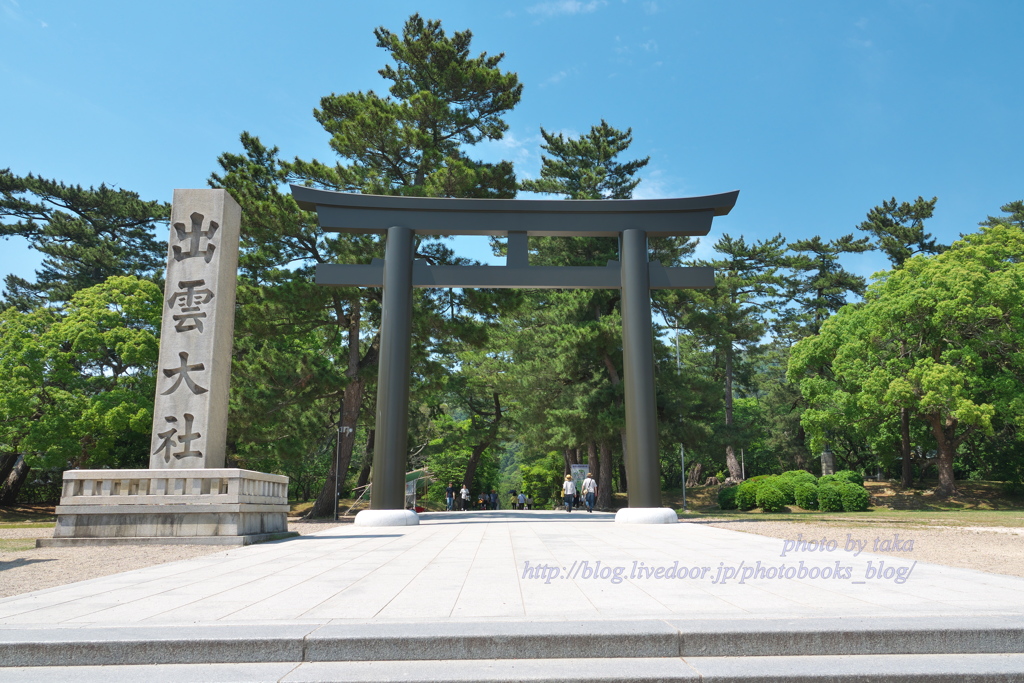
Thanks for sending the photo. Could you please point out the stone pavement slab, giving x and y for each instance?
(851, 669)
(516, 566)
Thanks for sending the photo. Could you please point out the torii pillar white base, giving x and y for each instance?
(646, 516)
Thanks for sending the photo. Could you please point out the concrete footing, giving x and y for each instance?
(387, 518)
(646, 516)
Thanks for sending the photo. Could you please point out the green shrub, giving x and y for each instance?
(855, 497)
(830, 496)
(727, 497)
(746, 493)
(785, 485)
(799, 476)
(826, 478)
(770, 498)
(806, 495)
(850, 476)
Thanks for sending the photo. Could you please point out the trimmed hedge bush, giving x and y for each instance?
(830, 496)
(850, 476)
(727, 497)
(770, 498)
(746, 492)
(855, 497)
(807, 496)
(785, 486)
(799, 476)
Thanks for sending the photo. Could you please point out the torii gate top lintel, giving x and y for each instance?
(362, 213)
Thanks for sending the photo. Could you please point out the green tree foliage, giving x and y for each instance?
(898, 229)
(77, 384)
(85, 235)
(941, 337)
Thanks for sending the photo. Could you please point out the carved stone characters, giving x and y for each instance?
(190, 414)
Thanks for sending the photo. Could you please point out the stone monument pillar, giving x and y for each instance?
(187, 495)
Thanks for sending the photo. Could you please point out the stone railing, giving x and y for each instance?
(173, 487)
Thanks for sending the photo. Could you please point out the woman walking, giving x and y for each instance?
(569, 492)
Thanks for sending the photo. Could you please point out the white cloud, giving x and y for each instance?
(651, 45)
(558, 77)
(651, 7)
(44, 24)
(555, 8)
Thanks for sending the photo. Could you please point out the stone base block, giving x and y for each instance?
(387, 518)
(219, 506)
(646, 516)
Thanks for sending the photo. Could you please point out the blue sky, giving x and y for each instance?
(815, 111)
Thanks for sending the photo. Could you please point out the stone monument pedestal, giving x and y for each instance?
(218, 506)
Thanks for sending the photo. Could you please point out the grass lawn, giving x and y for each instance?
(27, 516)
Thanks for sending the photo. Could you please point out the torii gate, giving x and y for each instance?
(632, 221)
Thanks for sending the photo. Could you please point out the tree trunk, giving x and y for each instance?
(566, 460)
(480, 447)
(351, 404)
(947, 451)
(7, 463)
(592, 462)
(11, 486)
(730, 451)
(364, 471)
(907, 479)
(604, 481)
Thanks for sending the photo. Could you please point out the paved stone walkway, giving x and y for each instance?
(515, 565)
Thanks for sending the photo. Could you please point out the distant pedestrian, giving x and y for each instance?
(449, 496)
(464, 497)
(521, 501)
(589, 491)
(529, 503)
(569, 492)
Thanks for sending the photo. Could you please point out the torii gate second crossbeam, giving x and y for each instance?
(632, 221)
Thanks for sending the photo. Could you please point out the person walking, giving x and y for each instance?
(521, 501)
(529, 502)
(449, 496)
(589, 492)
(464, 497)
(569, 492)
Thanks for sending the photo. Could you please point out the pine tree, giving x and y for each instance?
(898, 229)
(824, 288)
(586, 167)
(732, 317)
(1014, 216)
(411, 143)
(86, 235)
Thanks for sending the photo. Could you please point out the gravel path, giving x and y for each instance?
(32, 569)
(999, 550)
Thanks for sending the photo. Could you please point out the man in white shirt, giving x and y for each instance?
(589, 492)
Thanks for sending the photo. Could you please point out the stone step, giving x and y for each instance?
(974, 668)
(506, 640)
